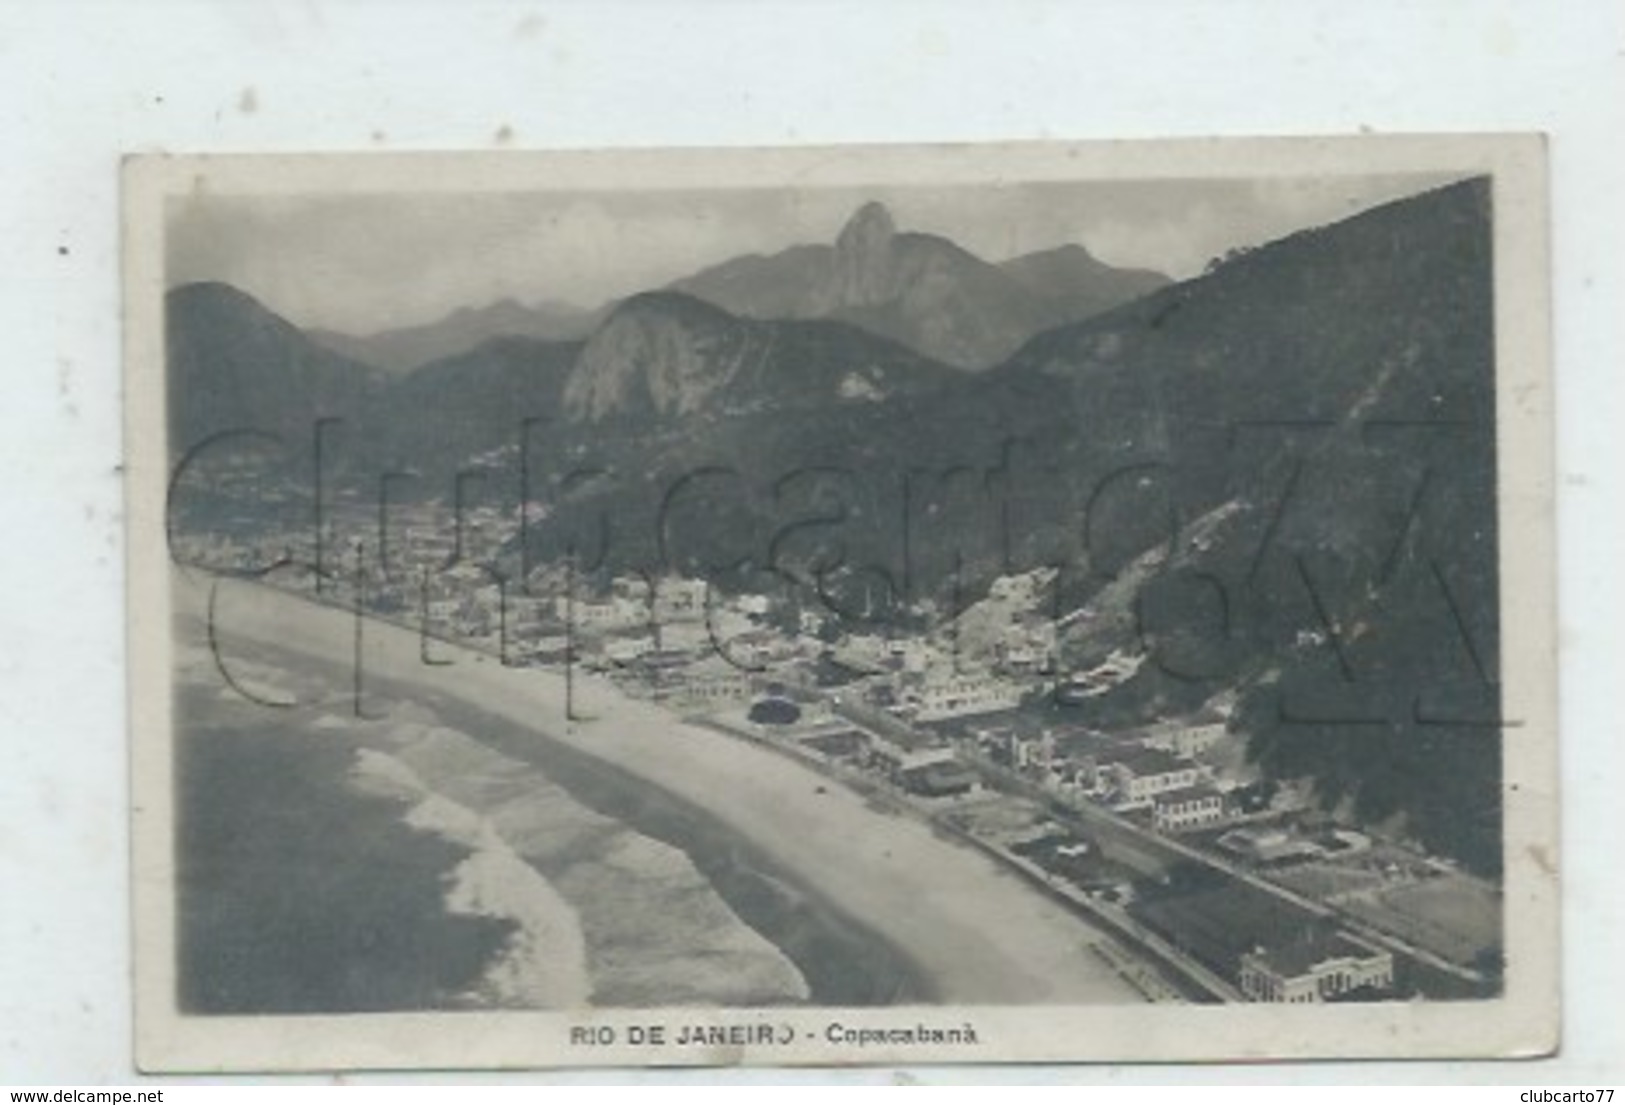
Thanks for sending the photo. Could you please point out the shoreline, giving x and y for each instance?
(734, 867)
(975, 932)
(280, 899)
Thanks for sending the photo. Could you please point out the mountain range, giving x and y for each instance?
(668, 355)
(234, 364)
(920, 290)
(409, 347)
(1277, 478)
(658, 358)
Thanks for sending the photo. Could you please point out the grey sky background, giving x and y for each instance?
(361, 264)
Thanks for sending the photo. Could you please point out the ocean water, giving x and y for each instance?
(440, 859)
(612, 917)
(297, 894)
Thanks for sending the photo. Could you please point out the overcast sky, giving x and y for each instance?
(366, 263)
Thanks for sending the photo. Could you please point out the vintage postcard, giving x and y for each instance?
(880, 605)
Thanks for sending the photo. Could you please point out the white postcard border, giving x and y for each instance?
(1523, 1022)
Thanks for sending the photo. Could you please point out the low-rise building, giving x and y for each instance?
(1319, 965)
(1195, 807)
(754, 647)
(1136, 775)
(1010, 745)
(940, 779)
(1027, 646)
(1187, 739)
(601, 616)
(1268, 845)
(896, 759)
(709, 685)
(865, 652)
(938, 698)
(679, 600)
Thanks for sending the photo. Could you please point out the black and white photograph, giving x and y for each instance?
(842, 605)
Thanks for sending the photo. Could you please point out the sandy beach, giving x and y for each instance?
(981, 934)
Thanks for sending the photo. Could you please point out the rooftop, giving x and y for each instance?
(1313, 947)
(1146, 761)
(1186, 794)
(943, 773)
(1266, 844)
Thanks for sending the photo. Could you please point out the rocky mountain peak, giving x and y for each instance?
(864, 257)
(871, 227)
(920, 289)
(658, 353)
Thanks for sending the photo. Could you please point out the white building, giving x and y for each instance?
(1028, 646)
(710, 685)
(1187, 740)
(1316, 967)
(950, 696)
(1195, 807)
(1137, 775)
(606, 616)
(1267, 844)
(866, 652)
(752, 606)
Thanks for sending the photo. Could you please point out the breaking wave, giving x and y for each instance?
(601, 914)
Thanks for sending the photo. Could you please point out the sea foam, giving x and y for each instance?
(604, 914)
